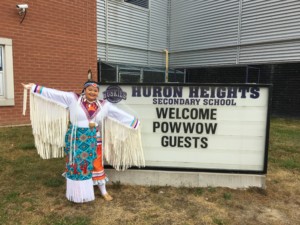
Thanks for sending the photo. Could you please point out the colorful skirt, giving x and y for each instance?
(81, 145)
(99, 176)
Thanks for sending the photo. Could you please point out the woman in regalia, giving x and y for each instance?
(83, 140)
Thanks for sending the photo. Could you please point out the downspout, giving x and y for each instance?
(167, 66)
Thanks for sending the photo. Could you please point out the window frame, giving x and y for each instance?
(1, 72)
(8, 98)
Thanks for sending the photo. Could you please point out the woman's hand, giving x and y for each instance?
(28, 86)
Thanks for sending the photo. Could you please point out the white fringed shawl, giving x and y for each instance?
(49, 125)
(122, 145)
(49, 122)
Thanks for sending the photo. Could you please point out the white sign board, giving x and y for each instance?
(199, 127)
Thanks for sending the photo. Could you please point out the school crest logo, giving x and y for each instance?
(114, 94)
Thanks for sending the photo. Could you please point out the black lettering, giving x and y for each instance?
(203, 114)
(171, 113)
(221, 92)
(203, 92)
(172, 141)
(187, 142)
(188, 127)
(194, 92)
(232, 92)
(194, 114)
(136, 91)
(211, 128)
(180, 142)
(178, 113)
(213, 114)
(199, 128)
(164, 141)
(204, 142)
(167, 91)
(254, 92)
(155, 126)
(157, 92)
(212, 92)
(244, 90)
(147, 91)
(177, 91)
(184, 116)
(195, 141)
(161, 112)
(164, 127)
(175, 127)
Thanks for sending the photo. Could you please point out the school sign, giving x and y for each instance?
(199, 127)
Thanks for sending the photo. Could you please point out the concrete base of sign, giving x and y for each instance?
(186, 179)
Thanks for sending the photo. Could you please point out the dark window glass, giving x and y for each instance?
(1, 59)
(142, 3)
(176, 76)
(108, 73)
(127, 78)
(154, 77)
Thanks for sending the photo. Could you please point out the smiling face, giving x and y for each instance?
(91, 93)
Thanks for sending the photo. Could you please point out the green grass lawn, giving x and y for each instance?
(284, 144)
(32, 190)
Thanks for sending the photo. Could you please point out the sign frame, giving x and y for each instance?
(209, 170)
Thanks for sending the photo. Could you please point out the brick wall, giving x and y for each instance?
(54, 46)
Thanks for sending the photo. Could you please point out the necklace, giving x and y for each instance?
(90, 105)
(90, 102)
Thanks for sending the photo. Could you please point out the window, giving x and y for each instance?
(109, 72)
(1, 72)
(6, 73)
(142, 3)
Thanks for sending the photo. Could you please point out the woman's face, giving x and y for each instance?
(91, 93)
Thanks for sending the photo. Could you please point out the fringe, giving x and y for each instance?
(80, 191)
(101, 182)
(24, 101)
(122, 145)
(49, 122)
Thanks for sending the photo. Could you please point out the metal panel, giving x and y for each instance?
(127, 25)
(257, 31)
(101, 21)
(127, 33)
(270, 20)
(270, 31)
(205, 57)
(157, 58)
(158, 25)
(199, 33)
(270, 52)
(203, 24)
(101, 51)
(122, 32)
(124, 55)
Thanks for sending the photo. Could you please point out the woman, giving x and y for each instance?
(83, 140)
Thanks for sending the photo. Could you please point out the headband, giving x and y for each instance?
(91, 83)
